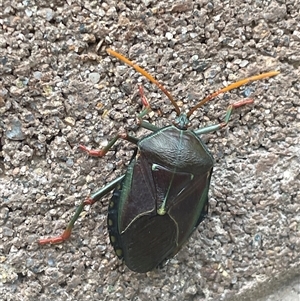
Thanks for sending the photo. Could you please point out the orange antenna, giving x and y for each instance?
(146, 74)
(231, 87)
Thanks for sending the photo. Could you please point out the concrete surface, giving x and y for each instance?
(59, 88)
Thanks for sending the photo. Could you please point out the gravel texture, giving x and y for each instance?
(59, 88)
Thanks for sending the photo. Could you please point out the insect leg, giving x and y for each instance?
(104, 150)
(229, 111)
(89, 201)
(145, 111)
(125, 136)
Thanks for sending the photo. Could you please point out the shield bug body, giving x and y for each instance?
(163, 196)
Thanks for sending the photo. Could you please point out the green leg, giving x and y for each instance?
(91, 200)
(104, 150)
(148, 126)
(145, 104)
(142, 123)
(229, 111)
(125, 136)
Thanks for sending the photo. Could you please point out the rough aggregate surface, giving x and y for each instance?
(59, 88)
